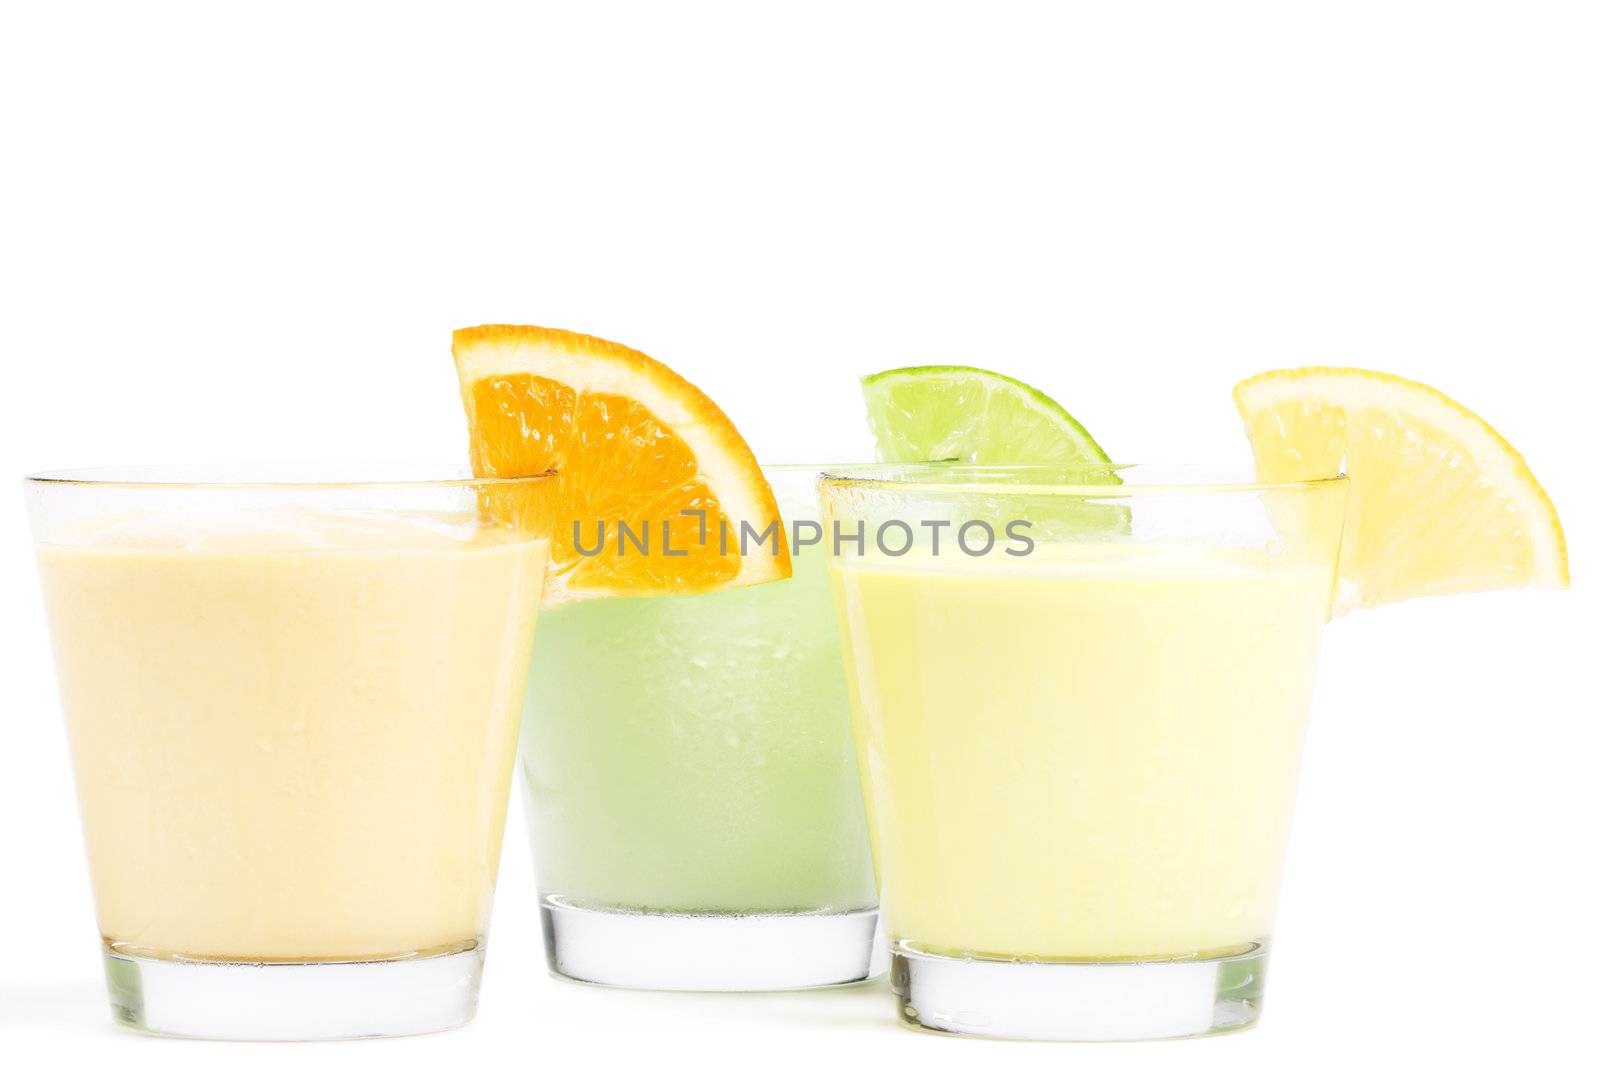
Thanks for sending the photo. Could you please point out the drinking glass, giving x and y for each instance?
(1079, 717)
(291, 697)
(691, 788)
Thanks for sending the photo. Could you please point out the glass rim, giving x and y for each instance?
(1171, 478)
(267, 476)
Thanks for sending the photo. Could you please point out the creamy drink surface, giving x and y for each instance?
(1087, 754)
(293, 731)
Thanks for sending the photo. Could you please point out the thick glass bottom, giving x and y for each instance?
(722, 953)
(294, 1001)
(1113, 1001)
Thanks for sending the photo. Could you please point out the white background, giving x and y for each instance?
(244, 232)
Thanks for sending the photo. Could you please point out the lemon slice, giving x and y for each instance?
(1439, 502)
(633, 444)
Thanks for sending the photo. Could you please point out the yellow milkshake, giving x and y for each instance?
(293, 732)
(1088, 753)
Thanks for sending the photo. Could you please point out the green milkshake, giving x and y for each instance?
(691, 785)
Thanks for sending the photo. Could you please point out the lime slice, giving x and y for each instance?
(921, 414)
(1439, 502)
(975, 416)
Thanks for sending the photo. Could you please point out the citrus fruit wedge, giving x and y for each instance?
(634, 445)
(1439, 502)
(971, 415)
(922, 414)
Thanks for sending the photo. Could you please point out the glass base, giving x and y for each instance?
(294, 1001)
(1079, 1001)
(716, 953)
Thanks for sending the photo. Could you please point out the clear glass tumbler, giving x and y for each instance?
(291, 697)
(1079, 716)
(691, 788)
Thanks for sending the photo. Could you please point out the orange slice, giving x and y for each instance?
(652, 473)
